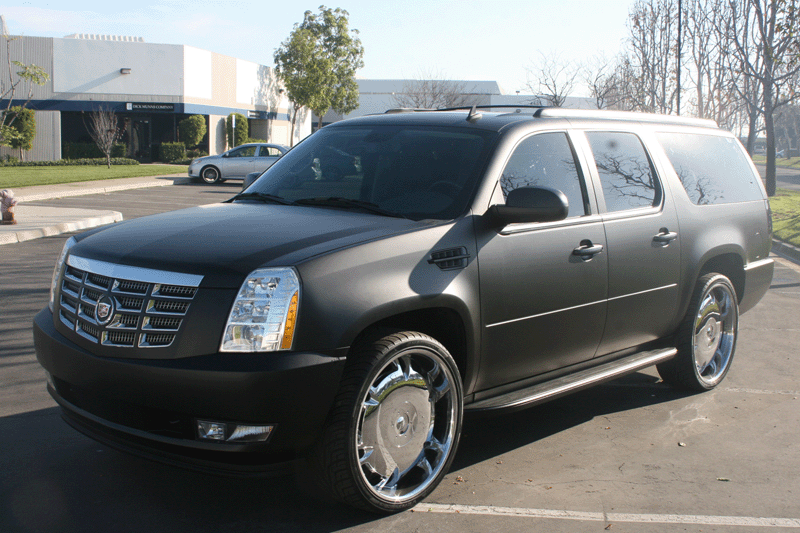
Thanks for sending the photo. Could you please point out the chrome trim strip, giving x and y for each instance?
(146, 275)
(544, 314)
(758, 264)
(643, 292)
(579, 306)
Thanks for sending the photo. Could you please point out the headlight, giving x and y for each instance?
(57, 270)
(264, 314)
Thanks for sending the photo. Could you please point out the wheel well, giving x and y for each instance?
(730, 266)
(444, 325)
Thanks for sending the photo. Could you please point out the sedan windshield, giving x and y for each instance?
(411, 171)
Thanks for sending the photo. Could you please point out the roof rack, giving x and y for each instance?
(491, 106)
(405, 110)
(560, 112)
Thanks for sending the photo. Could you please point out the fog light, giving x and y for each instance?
(211, 430)
(250, 434)
(238, 433)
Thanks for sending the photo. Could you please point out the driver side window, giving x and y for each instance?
(546, 160)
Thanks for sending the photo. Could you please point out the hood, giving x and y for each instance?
(225, 242)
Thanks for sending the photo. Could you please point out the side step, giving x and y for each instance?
(549, 390)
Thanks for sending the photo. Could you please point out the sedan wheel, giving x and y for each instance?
(210, 175)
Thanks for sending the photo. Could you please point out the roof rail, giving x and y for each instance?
(560, 112)
(406, 110)
(491, 106)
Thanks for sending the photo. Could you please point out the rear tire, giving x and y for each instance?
(706, 339)
(395, 424)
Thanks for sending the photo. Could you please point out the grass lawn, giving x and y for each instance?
(790, 162)
(786, 216)
(11, 177)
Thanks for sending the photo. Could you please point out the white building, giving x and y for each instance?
(151, 87)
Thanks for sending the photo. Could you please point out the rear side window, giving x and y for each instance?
(712, 169)
(626, 174)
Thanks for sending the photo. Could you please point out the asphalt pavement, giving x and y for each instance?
(34, 221)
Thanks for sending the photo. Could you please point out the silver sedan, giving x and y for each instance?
(237, 162)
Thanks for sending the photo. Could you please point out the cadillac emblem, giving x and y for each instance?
(104, 310)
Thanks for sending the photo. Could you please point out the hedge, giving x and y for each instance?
(69, 162)
(90, 151)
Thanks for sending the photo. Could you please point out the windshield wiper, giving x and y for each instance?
(262, 196)
(335, 201)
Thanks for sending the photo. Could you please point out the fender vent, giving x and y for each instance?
(451, 259)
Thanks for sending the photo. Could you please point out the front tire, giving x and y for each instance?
(706, 339)
(210, 175)
(395, 424)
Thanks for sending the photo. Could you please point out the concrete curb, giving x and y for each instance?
(101, 218)
(787, 251)
(100, 189)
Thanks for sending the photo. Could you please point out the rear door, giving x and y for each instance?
(642, 237)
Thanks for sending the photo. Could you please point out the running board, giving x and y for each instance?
(549, 390)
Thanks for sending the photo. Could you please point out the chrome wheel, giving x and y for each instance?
(210, 175)
(715, 333)
(395, 424)
(706, 339)
(406, 426)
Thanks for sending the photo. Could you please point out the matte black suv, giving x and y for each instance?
(392, 272)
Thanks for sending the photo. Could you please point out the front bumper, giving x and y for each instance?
(151, 407)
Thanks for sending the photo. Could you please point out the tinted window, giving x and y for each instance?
(420, 172)
(546, 160)
(626, 174)
(269, 151)
(712, 169)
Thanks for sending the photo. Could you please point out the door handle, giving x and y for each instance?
(587, 250)
(665, 236)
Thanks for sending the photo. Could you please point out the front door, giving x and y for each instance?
(543, 305)
(141, 140)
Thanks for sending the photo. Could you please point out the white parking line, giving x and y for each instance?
(701, 520)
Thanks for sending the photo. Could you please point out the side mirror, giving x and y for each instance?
(531, 204)
(249, 179)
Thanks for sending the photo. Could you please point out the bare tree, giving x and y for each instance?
(649, 65)
(763, 35)
(601, 77)
(104, 131)
(552, 78)
(434, 91)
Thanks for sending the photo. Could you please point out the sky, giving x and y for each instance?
(485, 40)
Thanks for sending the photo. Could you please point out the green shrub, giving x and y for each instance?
(251, 140)
(169, 152)
(23, 124)
(242, 130)
(192, 130)
(194, 154)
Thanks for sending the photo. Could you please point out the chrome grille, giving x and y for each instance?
(144, 312)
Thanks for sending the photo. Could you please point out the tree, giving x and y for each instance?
(433, 91)
(552, 78)
(104, 131)
(16, 76)
(763, 37)
(22, 122)
(317, 64)
(242, 133)
(192, 130)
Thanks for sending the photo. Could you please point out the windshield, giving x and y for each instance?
(417, 172)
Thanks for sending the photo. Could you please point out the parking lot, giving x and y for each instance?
(631, 455)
